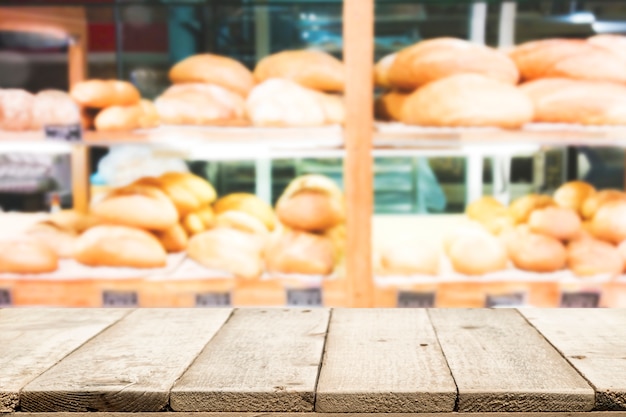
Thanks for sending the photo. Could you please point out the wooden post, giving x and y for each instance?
(80, 178)
(358, 36)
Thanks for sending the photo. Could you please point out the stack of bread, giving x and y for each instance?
(23, 111)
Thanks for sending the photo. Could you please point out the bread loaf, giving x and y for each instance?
(200, 104)
(568, 58)
(193, 224)
(522, 207)
(142, 115)
(492, 214)
(227, 250)
(213, 69)
(293, 252)
(435, 59)
(468, 100)
(470, 229)
(72, 220)
(241, 221)
(588, 257)
(174, 239)
(16, 110)
(621, 248)
(381, 71)
(609, 222)
(616, 44)
(389, 106)
(476, 254)
(105, 93)
(595, 201)
(573, 194)
(557, 222)
(405, 258)
(198, 186)
(247, 203)
(313, 69)
(311, 203)
(184, 200)
(119, 246)
(558, 100)
(60, 240)
(207, 215)
(538, 253)
(138, 206)
(54, 108)
(26, 256)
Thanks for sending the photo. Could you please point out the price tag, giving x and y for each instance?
(409, 299)
(5, 298)
(584, 299)
(120, 299)
(213, 299)
(505, 300)
(65, 133)
(311, 297)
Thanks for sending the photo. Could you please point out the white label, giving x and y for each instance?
(409, 299)
(213, 299)
(310, 297)
(505, 300)
(120, 299)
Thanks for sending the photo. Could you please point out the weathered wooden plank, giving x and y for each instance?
(386, 361)
(261, 360)
(33, 340)
(129, 367)
(207, 414)
(594, 342)
(501, 363)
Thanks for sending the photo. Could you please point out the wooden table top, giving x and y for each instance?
(313, 360)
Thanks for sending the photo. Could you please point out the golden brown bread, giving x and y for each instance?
(381, 71)
(119, 246)
(241, 221)
(292, 252)
(522, 207)
(568, 58)
(573, 194)
(595, 201)
(142, 115)
(16, 110)
(621, 248)
(105, 93)
(588, 257)
(311, 203)
(389, 106)
(195, 184)
(207, 215)
(200, 104)
(537, 253)
(616, 44)
(492, 214)
(470, 229)
(213, 69)
(609, 222)
(54, 108)
(60, 240)
(313, 69)
(184, 200)
(559, 100)
(26, 256)
(174, 239)
(468, 100)
(73, 220)
(404, 258)
(434, 59)
(138, 206)
(557, 222)
(247, 203)
(228, 250)
(478, 254)
(193, 224)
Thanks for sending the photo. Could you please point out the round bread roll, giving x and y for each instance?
(293, 252)
(200, 104)
(609, 222)
(193, 224)
(119, 246)
(247, 203)
(16, 110)
(595, 201)
(174, 239)
(142, 115)
(435, 59)
(213, 69)
(338, 237)
(26, 256)
(311, 203)
(138, 206)
(559, 100)
(105, 93)
(184, 200)
(73, 221)
(475, 254)
(470, 229)
(313, 69)
(588, 257)
(538, 253)
(389, 106)
(557, 222)
(568, 58)
(207, 215)
(227, 250)
(492, 214)
(381, 71)
(404, 258)
(616, 44)
(334, 108)
(522, 207)
(468, 100)
(198, 186)
(54, 108)
(61, 241)
(573, 194)
(243, 222)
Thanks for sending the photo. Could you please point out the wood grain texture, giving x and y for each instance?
(207, 414)
(594, 342)
(129, 367)
(383, 361)
(33, 340)
(501, 363)
(261, 360)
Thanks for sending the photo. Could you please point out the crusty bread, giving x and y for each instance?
(16, 110)
(243, 222)
(193, 224)
(280, 102)
(381, 70)
(573, 194)
(434, 59)
(389, 106)
(568, 58)
(56, 108)
(558, 222)
(119, 246)
(522, 207)
(478, 254)
(184, 200)
(228, 250)
(142, 115)
(73, 220)
(26, 255)
(213, 69)
(468, 100)
(207, 215)
(201, 188)
(559, 100)
(595, 201)
(406, 258)
(247, 203)
(200, 104)
(492, 214)
(138, 206)
(616, 44)
(470, 229)
(609, 222)
(313, 69)
(588, 257)
(105, 93)
(292, 252)
(174, 239)
(60, 240)
(538, 253)
(621, 248)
